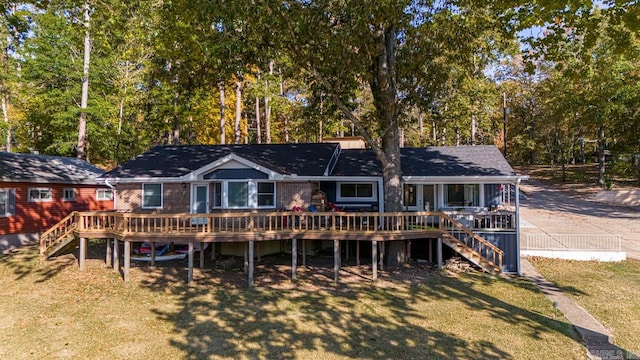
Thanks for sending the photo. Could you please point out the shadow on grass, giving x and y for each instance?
(219, 317)
(26, 261)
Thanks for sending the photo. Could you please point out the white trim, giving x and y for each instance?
(29, 199)
(464, 179)
(161, 197)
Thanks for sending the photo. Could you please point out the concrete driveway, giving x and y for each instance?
(554, 211)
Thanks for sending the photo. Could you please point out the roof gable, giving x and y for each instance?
(16, 167)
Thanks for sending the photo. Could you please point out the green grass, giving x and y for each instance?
(52, 310)
(609, 291)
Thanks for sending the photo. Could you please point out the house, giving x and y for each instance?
(470, 187)
(37, 191)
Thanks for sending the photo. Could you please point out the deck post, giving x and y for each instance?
(439, 252)
(83, 252)
(374, 259)
(190, 273)
(408, 251)
(246, 258)
(382, 251)
(357, 252)
(304, 253)
(430, 251)
(109, 257)
(127, 259)
(294, 258)
(250, 265)
(153, 253)
(336, 260)
(116, 256)
(202, 255)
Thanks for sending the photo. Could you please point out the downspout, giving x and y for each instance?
(517, 193)
(113, 189)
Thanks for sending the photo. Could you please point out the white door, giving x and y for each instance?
(199, 201)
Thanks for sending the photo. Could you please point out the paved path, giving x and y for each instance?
(554, 211)
(597, 339)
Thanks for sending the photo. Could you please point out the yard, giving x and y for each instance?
(609, 291)
(52, 310)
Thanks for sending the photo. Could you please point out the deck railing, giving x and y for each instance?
(129, 223)
(485, 220)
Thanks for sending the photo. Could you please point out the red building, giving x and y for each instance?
(37, 191)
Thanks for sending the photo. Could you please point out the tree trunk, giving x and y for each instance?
(5, 114)
(176, 120)
(82, 122)
(222, 108)
(267, 109)
(238, 110)
(258, 131)
(601, 157)
(383, 89)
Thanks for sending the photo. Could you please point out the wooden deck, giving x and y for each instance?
(251, 227)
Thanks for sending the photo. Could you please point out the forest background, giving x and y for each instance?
(105, 80)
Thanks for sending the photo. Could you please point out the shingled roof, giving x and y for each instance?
(177, 161)
(15, 167)
(469, 161)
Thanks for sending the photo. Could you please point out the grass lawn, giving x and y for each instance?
(609, 291)
(52, 310)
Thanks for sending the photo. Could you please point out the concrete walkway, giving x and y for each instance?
(597, 339)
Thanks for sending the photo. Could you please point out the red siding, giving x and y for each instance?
(31, 217)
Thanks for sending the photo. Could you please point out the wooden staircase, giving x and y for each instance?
(471, 246)
(60, 238)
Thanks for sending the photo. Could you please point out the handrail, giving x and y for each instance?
(59, 231)
(478, 244)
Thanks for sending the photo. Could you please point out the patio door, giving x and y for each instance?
(419, 197)
(199, 201)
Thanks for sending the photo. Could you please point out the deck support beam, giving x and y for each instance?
(430, 251)
(153, 253)
(439, 252)
(246, 258)
(202, 255)
(127, 259)
(409, 251)
(190, 255)
(294, 258)
(382, 251)
(116, 256)
(336, 260)
(83, 252)
(357, 252)
(109, 257)
(374, 259)
(250, 270)
(304, 253)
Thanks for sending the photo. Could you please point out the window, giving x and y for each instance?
(69, 194)
(238, 194)
(104, 194)
(248, 194)
(217, 194)
(356, 191)
(4, 202)
(151, 196)
(462, 195)
(40, 194)
(266, 194)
